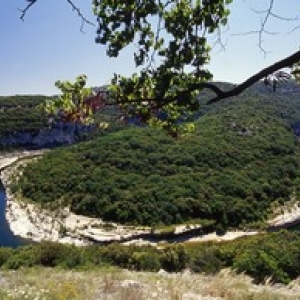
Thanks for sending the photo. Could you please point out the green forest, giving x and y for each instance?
(22, 113)
(242, 159)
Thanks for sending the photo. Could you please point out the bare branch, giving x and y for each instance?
(263, 30)
(84, 20)
(266, 15)
(276, 16)
(294, 29)
(284, 63)
(219, 40)
(24, 11)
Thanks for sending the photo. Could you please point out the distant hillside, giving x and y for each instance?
(242, 158)
(21, 114)
(287, 88)
(24, 124)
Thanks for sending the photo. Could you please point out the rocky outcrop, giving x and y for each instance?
(59, 134)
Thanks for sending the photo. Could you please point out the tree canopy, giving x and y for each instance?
(171, 54)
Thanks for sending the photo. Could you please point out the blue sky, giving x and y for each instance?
(49, 45)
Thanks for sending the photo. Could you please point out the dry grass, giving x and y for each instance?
(114, 284)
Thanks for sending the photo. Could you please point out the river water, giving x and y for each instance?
(7, 238)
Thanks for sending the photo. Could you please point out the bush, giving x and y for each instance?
(146, 261)
(260, 265)
(72, 257)
(207, 261)
(50, 254)
(92, 256)
(220, 229)
(5, 254)
(118, 255)
(22, 257)
(174, 258)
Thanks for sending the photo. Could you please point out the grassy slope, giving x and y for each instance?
(129, 285)
(242, 157)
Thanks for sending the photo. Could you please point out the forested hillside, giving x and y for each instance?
(21, 114)
(242, 157)
(24, 124)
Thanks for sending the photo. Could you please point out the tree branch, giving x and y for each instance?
(284, 63)
(24, 11)
(84, 20)
(266, 15)
(220, 94)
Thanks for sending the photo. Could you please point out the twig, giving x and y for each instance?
(24, 11)
(266, 15)
(84, 20)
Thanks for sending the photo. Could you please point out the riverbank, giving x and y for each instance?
(29, 220)
(25, 219)
(7, 159)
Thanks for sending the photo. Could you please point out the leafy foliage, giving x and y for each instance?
(171, 51)
(71, 105)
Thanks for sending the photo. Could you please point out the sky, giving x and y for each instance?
(49, 46)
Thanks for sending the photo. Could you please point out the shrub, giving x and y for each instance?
(118, 255)
(146, 261)
(207, 261)
(5, 253)
(174, 258)
(260, 265)
(49, 254)
(22, 257)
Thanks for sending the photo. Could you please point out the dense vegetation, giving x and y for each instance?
(242, 157)
(21, 114)
(273, 255)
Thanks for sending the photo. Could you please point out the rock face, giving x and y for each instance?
(56, 135)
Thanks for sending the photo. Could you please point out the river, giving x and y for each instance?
(7, 238)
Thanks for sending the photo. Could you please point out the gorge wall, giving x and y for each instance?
(57, 135)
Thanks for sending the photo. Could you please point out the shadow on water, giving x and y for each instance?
(7, 238)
